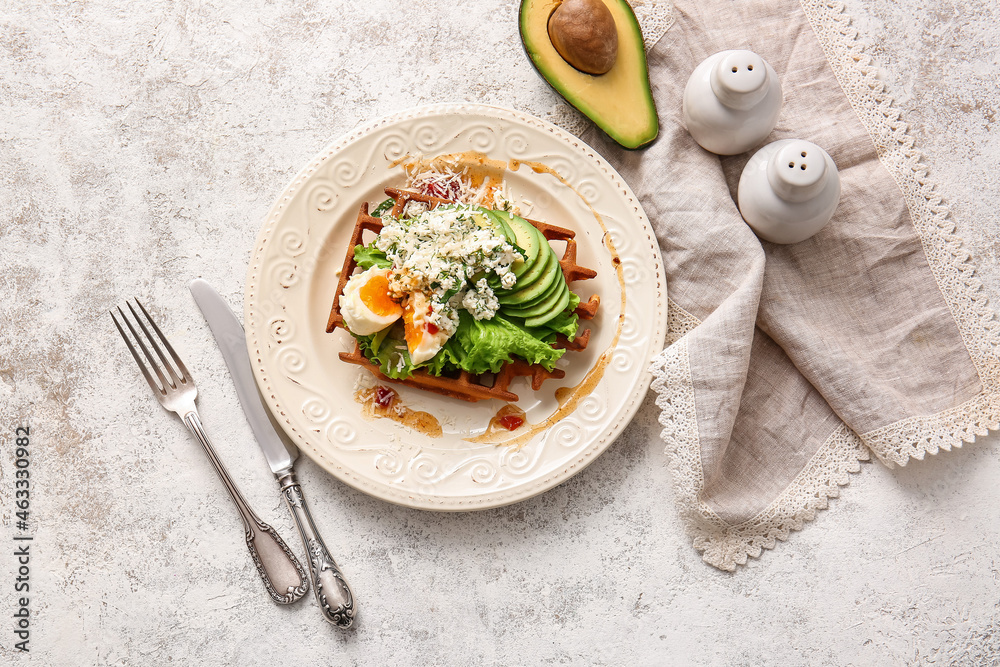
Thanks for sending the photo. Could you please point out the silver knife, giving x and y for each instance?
(331, 589)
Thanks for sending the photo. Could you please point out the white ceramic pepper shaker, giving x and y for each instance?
(788, 190)
(731, 102)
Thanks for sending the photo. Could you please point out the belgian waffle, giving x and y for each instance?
(464, 385)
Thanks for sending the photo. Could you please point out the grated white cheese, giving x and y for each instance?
(504, 201)
(442, 181)
(414, 208)
(449, 181)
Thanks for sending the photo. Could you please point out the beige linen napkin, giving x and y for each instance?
(787, 365)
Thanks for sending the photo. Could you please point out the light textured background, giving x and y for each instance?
(141, 144)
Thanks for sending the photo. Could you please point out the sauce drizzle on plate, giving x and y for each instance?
(381, 402)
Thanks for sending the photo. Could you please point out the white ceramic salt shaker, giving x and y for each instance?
(788, 190)
(731, 102)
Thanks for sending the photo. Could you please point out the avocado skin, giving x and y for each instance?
(595, 90)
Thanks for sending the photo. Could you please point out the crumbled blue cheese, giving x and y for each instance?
(480, 301)
(438, 252)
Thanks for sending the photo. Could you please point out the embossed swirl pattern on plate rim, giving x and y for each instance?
(428, 479)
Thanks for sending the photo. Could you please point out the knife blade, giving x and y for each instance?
(332, 592)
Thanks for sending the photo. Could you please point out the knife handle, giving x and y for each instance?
(283, 575)
(333, 594)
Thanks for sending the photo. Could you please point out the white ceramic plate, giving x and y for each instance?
(293, 276)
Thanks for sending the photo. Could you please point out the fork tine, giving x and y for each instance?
(166, 384)
(185, 376)
(174, 380)
(135, 355)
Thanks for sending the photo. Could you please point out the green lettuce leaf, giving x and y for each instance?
(478, 346)
(488, 344)
(369, 256)
(450, 358)
(566, 322)
(390, 354)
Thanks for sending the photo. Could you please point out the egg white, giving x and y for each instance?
(428, 344)
(358, 317)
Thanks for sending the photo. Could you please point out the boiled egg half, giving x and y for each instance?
(366, 305)
(423, 338)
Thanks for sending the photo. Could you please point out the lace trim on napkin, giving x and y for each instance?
(679, 322)
(897, 443)
(725, 546)
(655, 18)
(721, 545)
(809, 492)
(953, 270)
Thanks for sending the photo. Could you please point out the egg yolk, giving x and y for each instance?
(412, 333)
(374, 293)
(417, 331)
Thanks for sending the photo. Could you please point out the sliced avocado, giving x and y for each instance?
(490, 220)
(527, 238)
(528, 303)
(485, 219)
(535, 288)
(535, 282)
(533, 269)
(507, 231)
(552, 312)
(620, 101)
(520, 266)
(551, 301)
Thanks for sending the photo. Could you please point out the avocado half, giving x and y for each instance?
(620, 101)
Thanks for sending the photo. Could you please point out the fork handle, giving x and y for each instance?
(332, 592)
(283, 575)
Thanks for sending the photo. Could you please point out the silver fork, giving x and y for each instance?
(284, 577)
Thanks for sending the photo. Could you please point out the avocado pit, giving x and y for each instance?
(620, 101)
(584, 33)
